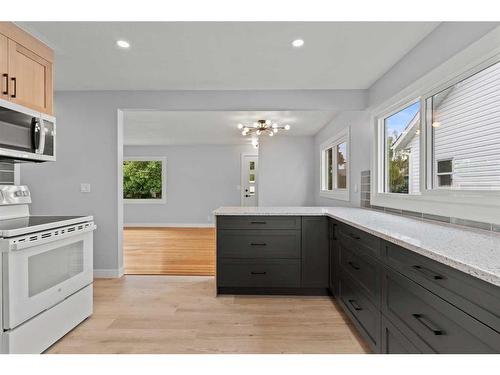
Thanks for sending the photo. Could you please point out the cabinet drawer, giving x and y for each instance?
(394, 342)
(474, 296)
(354, 238)
(362, 312)
(363, 269)
(431, 323)
(258, 244)
(258, 273)
(258, 222)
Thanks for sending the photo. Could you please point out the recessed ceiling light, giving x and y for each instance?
(298, 43)
(123, 44)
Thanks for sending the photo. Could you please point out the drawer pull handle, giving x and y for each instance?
(258, 222)
(354, 236)
(427, 272)
(6, 91)
(13, 79)
(257, 273)
(355, 305)
(353, 265)
(258, 244)
(427, 324)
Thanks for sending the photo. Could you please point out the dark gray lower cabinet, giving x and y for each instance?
(260, 273)
(399, 301)
(315, 268)
(393, 341)
(272, 255)
(402, 302)
(431, 323)
(360, 308)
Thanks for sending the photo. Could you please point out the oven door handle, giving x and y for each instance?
(15, 245)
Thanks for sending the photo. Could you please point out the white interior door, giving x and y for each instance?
(249, 180)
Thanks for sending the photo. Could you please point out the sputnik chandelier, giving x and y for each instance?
(261, 127)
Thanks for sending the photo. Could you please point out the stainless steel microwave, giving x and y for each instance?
(26, 135)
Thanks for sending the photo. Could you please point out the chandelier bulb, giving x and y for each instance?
(268, 122)
(240, 126)
(275, 130)
(271, 134)
(287, 127)
(258, 132)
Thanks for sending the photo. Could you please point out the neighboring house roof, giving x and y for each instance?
(407, 135)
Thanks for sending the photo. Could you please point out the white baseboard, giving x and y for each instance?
(111, 273)
(169, 225)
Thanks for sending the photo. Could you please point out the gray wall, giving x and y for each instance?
(199, 179)
(445, 41)
(359, 153)
(88, 149)
(286, 171)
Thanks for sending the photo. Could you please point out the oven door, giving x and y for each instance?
(37, 278)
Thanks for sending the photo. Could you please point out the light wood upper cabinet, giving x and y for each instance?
(28, 64)
(30, 79)
(4, 67)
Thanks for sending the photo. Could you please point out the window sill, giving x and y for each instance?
(465, 205)
(144, 201)
(342, 195)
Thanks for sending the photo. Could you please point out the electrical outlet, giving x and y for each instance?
(84, 188)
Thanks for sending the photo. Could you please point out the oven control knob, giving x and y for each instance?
(18, 193)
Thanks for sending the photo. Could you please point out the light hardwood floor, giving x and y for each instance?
(169, 251)
(178, 314)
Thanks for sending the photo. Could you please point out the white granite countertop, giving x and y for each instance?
(472, 251)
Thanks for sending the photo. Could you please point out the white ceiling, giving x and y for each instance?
(212, 127)
(225, 55)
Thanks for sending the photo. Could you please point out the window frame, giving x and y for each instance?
(474, 204)
(381, 147)
(333, 142)
(163, 161)
(436, 181)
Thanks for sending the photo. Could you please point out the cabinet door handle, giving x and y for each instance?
(257, 273)
(427, 272)
(13, 79)
(428, 324)
(257, 222)
(355, 305)
(353, 265)
(6, 91)
(356, 237)
(258, 244)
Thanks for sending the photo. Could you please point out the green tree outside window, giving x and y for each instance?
(142, 179)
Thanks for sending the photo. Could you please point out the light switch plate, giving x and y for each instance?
(84, 188)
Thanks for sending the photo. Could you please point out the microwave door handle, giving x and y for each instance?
(35, 134)
(41, 144)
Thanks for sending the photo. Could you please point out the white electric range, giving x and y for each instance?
(46, 273)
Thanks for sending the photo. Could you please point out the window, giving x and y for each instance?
(437, 150)
(401, 150)
(444, 173)
(463, 126)
(335, 167)
(144, 180)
